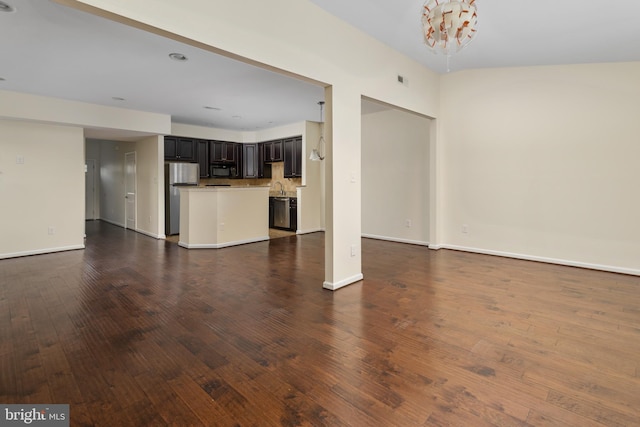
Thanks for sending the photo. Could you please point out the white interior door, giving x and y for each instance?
(130, 189)
(90, 190)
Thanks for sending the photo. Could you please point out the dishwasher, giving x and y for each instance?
(281, 218)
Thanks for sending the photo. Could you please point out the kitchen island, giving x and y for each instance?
(217, 217)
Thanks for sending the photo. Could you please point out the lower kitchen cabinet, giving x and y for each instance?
(271, 212)
(293, 214)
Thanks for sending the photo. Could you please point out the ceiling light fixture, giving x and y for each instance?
(449, 25)
(178, 57)
(5, 7)
(316, 153)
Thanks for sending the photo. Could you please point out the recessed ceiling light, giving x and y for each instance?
(117, 98)
(206, 107)
(5, 7)
(177, 57)
(236, 117)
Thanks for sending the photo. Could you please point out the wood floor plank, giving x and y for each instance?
(136, 331)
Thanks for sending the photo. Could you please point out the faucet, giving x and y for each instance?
(281, 187)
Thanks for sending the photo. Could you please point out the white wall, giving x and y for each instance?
(23, 106)
(41, 187)
(311, 194)
(542, 162)
(92, 151)
(201, 132)
(395, 176)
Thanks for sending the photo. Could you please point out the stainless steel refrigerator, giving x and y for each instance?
(176, 175)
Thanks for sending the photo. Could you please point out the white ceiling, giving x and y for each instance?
(52, 50)
(511, 33)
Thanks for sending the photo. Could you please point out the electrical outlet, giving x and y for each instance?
(222, 226)
(353, 250)
(19, 160)
(465, 228)
(408, 223)
(52, 230)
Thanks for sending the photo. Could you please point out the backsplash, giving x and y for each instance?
(289, 184)
(277, 175)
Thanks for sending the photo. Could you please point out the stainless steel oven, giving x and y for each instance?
(281, 217)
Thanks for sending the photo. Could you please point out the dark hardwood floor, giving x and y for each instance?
(133, 331)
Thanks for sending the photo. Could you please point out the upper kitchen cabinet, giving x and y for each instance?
(203, 157)
(222, 152)
(183, 149)
(238, 155)
(293, 157)
(272, 151)
(250, 161)
(253, 165)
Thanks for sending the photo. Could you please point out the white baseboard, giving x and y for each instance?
(41, 251)
(312, 230)
(342, 283)
(155, 236)
(113, 222)
(222, 245)
(396, 239)
(569, 263)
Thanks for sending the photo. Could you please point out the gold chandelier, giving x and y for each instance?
(449, 25)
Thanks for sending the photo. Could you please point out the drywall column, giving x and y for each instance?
(435, 188)
(150, 186)
(343, 254)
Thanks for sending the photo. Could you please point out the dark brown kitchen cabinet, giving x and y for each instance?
(272, 151)
(183, 149)
(222, 152)
(203, 157)
(250, 161)
(293, 214)
(271, 213)
(238, 155)
(292, 157)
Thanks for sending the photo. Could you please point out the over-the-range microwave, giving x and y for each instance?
(222, 171)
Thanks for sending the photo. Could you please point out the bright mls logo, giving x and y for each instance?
(38, 415)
